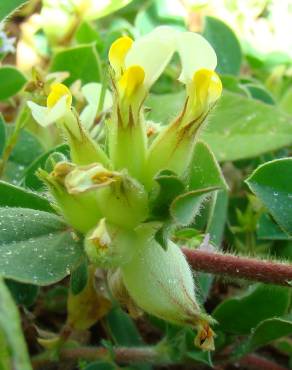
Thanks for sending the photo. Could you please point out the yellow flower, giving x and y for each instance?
(58, 104)
(84, 149)
(118, 52)
(131, 80)
(59, 90)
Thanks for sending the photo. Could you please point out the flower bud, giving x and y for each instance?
(121, 199)
(93, 176)
(80, 211)
(161, 282)
(124, 202)
(108, 245)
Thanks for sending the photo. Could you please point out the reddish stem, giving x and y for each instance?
(240, 267)
(122, 355)
(255, 362)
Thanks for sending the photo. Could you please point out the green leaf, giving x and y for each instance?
(86, 34)
(286, 101)
(272, 184)
(14, 196)
(12, 81)
(2, 134)
(10, 328)
(170, 186)
(26, 150)
(79, 277)
(163, 234)
(100, 365)
(232, 84)
(204, 171)
(82, 62)
(267, 229)
(239, 315)
(55, 299)
(238, 124)
(172, 104)
(36, 247)
(201, 357)
(203, 177)
(226, 45)
(217, 217)
(30, 179)
(215, 228)
(24, 294)
(7, 7)
(269, 330)
(186, 206)
(122, 328)
(259, 93)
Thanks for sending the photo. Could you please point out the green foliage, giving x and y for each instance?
(36, 246)
(12, 81)
(79, 277)
(204, 171)
(82, 62)
(226, 45)
(23, 294)
(267, 331)
(99, 365)
(7, 7)
(270, 182)
(2, 134)
(122, 328)
(259, 303)
(14, 196)
(11, 335)
(269, 230)
(27, 148)
(30, 178)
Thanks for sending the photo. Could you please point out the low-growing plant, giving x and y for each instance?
(115, 212)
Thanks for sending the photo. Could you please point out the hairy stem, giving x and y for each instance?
(255, 362)
(150, 355)
(265, 271)
(121, 355)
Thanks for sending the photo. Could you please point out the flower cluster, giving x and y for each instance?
(104, 192)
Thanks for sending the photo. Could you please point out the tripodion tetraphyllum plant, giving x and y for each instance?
(109, 192)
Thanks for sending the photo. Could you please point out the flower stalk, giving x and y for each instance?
(265, 271)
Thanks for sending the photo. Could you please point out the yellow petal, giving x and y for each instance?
(131, 80)
(118, 52)
(208, 86)
(57, 92)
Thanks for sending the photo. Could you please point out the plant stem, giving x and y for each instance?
(265, 271)
(150, 355)
(255, 362)
(121, 355)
